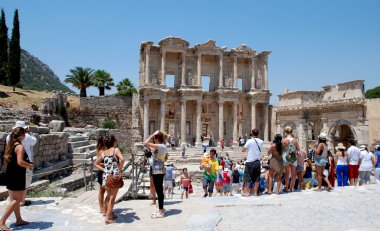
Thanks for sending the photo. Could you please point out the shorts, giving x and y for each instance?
(186, 189)
(252, 171)
(319, 161)
(100, 177)
(226, 187)
(299, 168)
(168, 184)
(208, 184)
(218, 184)
(28, 178)
(364, 176)
(353, 171)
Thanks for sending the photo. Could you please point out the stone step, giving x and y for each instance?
(83, 155)
(76, 138)
(82, 149)
(77, 144)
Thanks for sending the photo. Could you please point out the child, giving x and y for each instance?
(226, 182)
(219, 182)
(235, 180)
(184, 183)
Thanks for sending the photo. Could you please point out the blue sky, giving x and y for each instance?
(313, 42)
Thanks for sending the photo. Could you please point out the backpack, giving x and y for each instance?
(291, 152)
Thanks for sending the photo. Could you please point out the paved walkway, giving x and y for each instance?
(346, 208)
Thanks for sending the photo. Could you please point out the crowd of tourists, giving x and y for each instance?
(287, 167)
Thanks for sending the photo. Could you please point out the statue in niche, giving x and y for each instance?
(154, 80)
(171, 111)
(190, 79)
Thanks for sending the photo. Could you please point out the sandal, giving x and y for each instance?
(157, 215)
(109, 222)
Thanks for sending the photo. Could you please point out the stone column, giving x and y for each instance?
(253, 80)
(198, 141)
(235, 72)
(302, 135)
(220, 70)
(183, 83)
(253, 115)
(279, 130)
(163, 73)
(234, 122)
(162, 114)
(221, 120)
(146, 118)
(266, 123)
(199, 69)
(183, 120)
(265, 69)
(147, 67)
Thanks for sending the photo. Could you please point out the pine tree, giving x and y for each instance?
(3, 48)
(14, 62)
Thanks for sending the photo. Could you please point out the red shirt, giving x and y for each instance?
(226, 178)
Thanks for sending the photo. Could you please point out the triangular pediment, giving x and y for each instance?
(174, 42)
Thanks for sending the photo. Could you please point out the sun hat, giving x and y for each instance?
(322, 136)
(363, 147)
(20, 124)
(340, 146)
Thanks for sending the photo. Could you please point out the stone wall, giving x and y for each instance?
(53, 104)
(10, 115)
(373, 117)
(96, 109)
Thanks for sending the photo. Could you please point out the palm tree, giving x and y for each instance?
(81, 78)
(125, 87)
(103, 80)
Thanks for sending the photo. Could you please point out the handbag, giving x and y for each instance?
(190, 188)
(113, 181)
(158, 167)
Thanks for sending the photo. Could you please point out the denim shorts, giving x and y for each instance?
(299, 168)
(209, 184)
(226, 187)
(320, 161)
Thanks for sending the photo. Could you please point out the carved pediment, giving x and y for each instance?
(244, 49)
(174, 42)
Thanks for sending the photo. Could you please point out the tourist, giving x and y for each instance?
(377, 163)
(28, 144)
(366, 163)
(169, 181)
(289, 155)
(307, 174)
(235, 181)
(302, 155)
(184, 183)
(100, 147)
(219, 182)
(226, 179)
(151, 183)
(173, 177)
(156, 141)
(113, 163)
(321, 160)
(354, 162)
(252, 165)
(183, 147)
(276, 164)
(222, 144)
(231, 142)
(341, 160)
(209, 174)
(16, 164)
(331, 168)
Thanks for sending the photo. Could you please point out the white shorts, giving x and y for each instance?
(168, 184)
(28, 178)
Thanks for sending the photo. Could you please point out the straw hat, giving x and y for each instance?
(340, 146)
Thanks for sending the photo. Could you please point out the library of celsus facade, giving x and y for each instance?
(204, 90)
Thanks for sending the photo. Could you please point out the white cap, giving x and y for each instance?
(20, 124)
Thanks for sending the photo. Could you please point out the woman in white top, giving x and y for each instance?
(341, 160)
(366, 164)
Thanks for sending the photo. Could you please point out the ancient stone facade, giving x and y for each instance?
(339, 111)
(172, 98)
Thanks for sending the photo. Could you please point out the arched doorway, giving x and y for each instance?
(342, 132)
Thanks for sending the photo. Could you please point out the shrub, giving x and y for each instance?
(110, 124)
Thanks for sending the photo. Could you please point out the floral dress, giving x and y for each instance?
(110, 166)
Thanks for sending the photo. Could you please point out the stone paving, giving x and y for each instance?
(346, 208)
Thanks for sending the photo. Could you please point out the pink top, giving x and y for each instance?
(226, 178)
(185, 181)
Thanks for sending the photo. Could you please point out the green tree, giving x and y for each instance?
(125, 87)
(3, 48)
(81, 78)
(373, 93)
(14, 58)
(103, 80)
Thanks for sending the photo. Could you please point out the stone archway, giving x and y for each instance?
(342, 131)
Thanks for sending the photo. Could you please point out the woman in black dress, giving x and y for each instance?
(17, 162)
